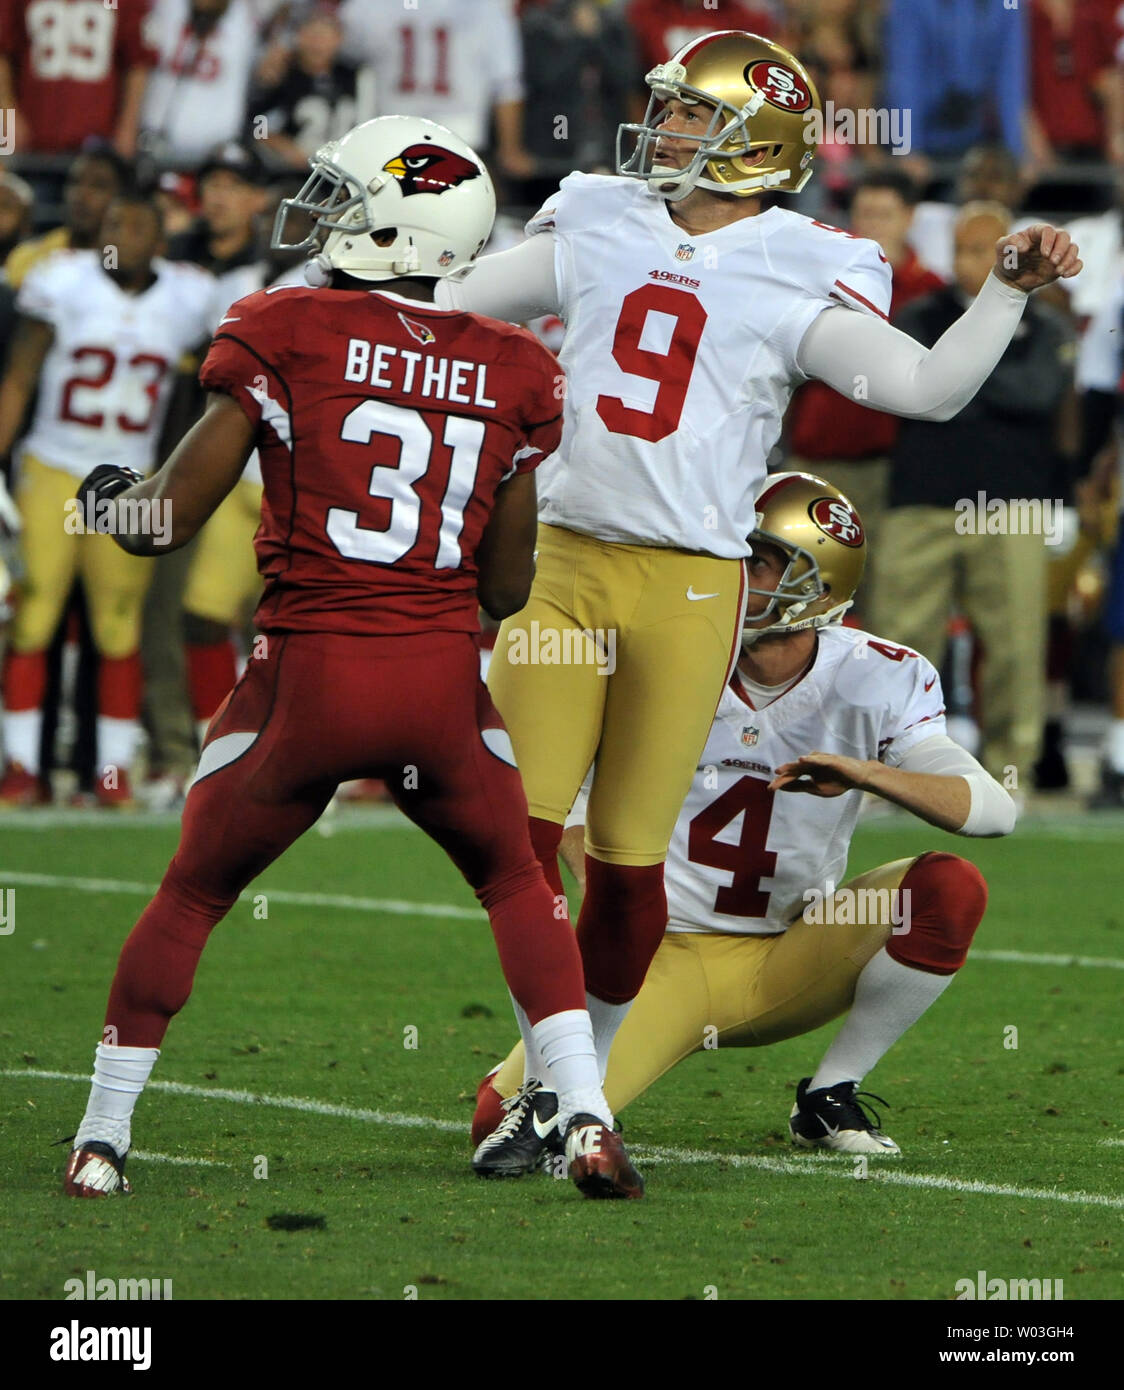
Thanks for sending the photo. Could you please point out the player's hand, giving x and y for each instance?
(1042, 254)
(105, 481)
(821, 774)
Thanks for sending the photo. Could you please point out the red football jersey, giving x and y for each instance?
(70, 58)
(384, 426)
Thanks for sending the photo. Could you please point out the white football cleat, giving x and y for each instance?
(834, 1117)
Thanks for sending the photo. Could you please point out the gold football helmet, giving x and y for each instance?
(763, 99)
(821, 533)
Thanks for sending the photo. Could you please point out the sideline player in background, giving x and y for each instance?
(691, 314)
(98, 336)
(760, 945)
(397, 445)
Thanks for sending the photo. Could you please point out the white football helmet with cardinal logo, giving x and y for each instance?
(395, 196)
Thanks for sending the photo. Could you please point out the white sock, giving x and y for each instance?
(606, 1019)
(117, 743)
(1114, 745)
(119, 1077)
(23, 729)
(889, 998)
(565, 1042)
(534, 1068)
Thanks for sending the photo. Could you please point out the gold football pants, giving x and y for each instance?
(705, 990)
(53, 557)
(638, 690)
(223, 583)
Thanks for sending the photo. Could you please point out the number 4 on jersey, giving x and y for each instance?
(749, 861)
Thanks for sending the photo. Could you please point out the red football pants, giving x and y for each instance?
(317, 710)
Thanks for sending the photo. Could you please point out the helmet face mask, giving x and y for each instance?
(759, 95)
(410, 182)
(820, 535)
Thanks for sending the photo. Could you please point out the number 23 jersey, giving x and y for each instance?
(680, 354)
(107, 376)
(385, 427)
(742, 857)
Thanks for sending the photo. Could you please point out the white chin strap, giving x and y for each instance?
(751, 635)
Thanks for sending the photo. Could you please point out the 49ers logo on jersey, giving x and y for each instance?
(837, 520)
(780, 86)
(429, 169)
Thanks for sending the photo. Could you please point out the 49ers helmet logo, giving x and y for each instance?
(430, 169)
(779, 85)
(837, 520)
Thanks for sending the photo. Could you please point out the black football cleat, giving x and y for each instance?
(95, 1170)
(525, 1138)
(834, 1117)
(598, 1161)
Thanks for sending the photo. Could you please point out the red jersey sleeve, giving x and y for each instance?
(542, 405)
(247, 358)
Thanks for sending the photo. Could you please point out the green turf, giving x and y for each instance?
(315, 1001)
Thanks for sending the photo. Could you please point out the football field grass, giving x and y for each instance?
(306, 1132)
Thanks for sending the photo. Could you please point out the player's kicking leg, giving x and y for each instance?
(262, 782)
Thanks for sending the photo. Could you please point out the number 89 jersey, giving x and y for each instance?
(106, 379)
(384, 427)
(680, 354)
(742, 857)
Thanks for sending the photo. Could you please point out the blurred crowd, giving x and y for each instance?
(994, 116)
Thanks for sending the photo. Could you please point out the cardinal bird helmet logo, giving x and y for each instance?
(429, 169)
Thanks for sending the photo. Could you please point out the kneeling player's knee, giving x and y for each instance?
(947, 899)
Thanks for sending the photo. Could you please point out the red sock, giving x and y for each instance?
(211, 671)
(620, 927)
(25, 680)
(546, 836)
(538, 953)
(156, 967)
(120, 681)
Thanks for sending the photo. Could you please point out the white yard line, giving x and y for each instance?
(821, 1166)
(398, 906)
(181, 1160)
(408, 908)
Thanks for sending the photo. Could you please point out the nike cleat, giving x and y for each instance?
(835, 1117)
(524, 1139)
(598, 1161)
(94, 1170)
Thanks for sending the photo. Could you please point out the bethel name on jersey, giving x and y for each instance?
(680, 354)
(105, 383)
(742, 857)
(385, 426)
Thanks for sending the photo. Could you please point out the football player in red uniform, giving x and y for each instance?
(397, 443)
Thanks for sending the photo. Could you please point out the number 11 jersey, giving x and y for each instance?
(385, 426)
(680, 354)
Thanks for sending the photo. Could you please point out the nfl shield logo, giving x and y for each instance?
(749, 735)
(684, 252)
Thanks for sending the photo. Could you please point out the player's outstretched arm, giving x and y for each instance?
(515, 285)
(505, 557)
(875, 363)
(937, 780)
(204, 467)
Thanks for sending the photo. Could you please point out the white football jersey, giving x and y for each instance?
(450, 61)
(742, 857)
(680, 354)
(105, 383)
